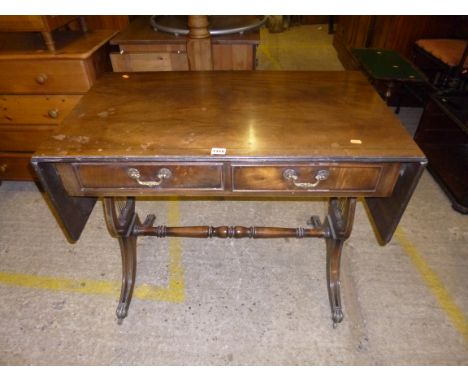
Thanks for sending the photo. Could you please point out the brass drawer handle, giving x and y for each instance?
(291, 175)
(41, 78)
(163, 173)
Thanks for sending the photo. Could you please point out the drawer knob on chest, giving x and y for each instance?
(291, 176)
(41, 79)
(53, 113)
(163, 173)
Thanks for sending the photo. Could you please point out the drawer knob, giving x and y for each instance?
(53, 113)
(163, 173)
(41, 79)
(291, 176)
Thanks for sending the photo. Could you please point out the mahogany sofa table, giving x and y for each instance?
(242, 134)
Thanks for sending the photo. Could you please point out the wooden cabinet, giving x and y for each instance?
(443, 136)
(39, 88)
(143, 49)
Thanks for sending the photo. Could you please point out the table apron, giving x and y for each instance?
(317, 179)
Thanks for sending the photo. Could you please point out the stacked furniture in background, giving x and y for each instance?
(43, 24)
(445, 61)
(442, 134)
(38, 88)
(388, 32)
(141, 49)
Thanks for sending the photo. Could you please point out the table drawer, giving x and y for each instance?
(35, 109)
(141, 177)
(155, 48)
(323, 178)
(148, 62)
(45, 76)
(16, 166)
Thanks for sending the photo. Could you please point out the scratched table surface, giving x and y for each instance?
(309, 115)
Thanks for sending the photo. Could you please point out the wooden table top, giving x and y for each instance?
(270, 115)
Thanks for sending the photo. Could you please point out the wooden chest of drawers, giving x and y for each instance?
(38, 89)
(443, 136)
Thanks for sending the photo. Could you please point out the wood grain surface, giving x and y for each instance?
(33, 23)
(68, 44)
(271, 115)
(36, 109)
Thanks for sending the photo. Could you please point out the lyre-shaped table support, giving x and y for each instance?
(121, 220)
(125, 225)
(340, 223)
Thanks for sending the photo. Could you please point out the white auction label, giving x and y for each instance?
(218, 151)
